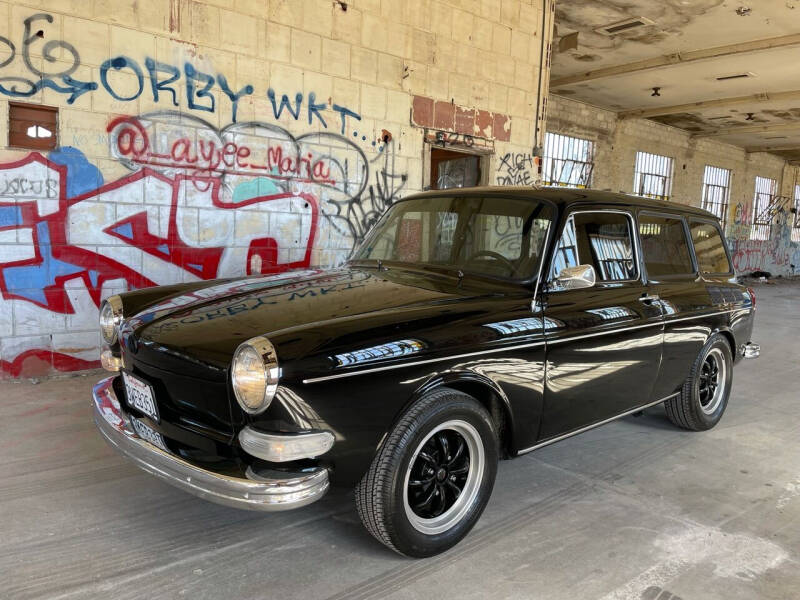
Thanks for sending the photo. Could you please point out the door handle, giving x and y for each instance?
(648, 298)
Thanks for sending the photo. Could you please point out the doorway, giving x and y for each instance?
(450, 169)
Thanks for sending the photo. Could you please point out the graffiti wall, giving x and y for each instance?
(196, 201)
(778, 255)
(203, 139)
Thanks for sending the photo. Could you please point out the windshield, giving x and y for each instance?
(484, 235)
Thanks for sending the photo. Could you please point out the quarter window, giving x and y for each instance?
(709, 248)
(664, 246)
(600, 239)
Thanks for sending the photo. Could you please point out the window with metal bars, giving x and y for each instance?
(653, 176)
(765, 192)
(567, 161)
(796, 220)
(716, 191)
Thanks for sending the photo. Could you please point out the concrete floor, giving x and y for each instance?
(637, 509)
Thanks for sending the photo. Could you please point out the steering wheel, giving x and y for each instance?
(495, 255)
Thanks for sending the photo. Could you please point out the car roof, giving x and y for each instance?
(565, 196)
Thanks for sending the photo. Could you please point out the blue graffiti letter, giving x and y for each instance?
(192, 76)
(154, 68)
(298, 101)
(234, 96)
(345, 112)
(118, 63)
(314, 108)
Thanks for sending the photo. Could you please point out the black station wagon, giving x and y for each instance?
(470, 325)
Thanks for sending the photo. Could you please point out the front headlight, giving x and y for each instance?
(254, 375)
(110, 318)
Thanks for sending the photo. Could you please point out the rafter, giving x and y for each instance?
(772, 128)
(787, 148)
(647, 113)
(679, 58)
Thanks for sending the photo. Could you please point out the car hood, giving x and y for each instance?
(301, 313)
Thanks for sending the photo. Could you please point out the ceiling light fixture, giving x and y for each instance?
(656, 91)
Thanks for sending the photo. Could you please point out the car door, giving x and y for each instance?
(671, 272)
(603, 342)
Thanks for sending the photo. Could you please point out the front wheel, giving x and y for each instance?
(433, 476)
(705, 393)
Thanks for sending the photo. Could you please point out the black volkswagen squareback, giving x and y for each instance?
(469, 326)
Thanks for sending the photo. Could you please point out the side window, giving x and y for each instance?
(601, 239)
(664, 246)
(709, 248)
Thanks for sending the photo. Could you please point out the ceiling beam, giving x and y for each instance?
(647, 113)
(788, 148)
(679, 58)
(772, 128)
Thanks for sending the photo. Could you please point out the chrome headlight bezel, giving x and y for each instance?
(263, 370)
(110, 319)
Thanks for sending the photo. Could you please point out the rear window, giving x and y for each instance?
(709, 248)
(664, 246)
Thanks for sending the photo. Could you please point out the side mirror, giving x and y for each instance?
(575, 278)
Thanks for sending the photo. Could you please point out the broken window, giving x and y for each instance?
(568, 161)
(653, 176)
(32, 126)
(717, 191)
(763, 201)
(450, 169)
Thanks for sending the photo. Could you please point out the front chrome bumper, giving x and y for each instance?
(265, 491)
(750, 350)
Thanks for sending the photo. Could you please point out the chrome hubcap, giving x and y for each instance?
(443, 477)
(712, 381)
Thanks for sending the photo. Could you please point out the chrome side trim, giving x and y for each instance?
(264, 491)
(509, 348)
(422, 362)
(593, 425)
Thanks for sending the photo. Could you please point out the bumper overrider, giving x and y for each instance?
(265, 491)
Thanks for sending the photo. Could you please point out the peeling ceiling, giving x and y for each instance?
(680, 27)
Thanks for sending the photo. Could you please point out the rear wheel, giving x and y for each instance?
(705, 392)
(433, 476)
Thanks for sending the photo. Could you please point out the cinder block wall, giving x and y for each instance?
(209, 138)
(618, 141)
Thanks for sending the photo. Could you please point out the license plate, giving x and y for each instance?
(140, 396)
(148, 434)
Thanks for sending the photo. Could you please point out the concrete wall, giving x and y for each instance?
(616, 144)
(201, 139)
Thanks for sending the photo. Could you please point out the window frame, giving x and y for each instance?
(546, 158)
(687, 236)
(53, 141)
(635, 247)
(638, 176)
(756, 225)
(726, 196)
(795, 233)
(716, 226)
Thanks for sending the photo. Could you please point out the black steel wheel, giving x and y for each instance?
(704, 395)
(433, 476)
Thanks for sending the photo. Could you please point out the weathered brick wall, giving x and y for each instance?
(618, 141)
(207, 138)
